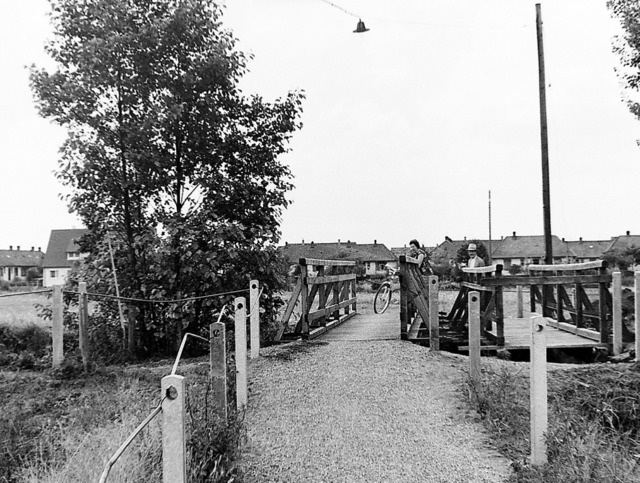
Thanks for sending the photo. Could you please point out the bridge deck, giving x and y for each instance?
(517, 335)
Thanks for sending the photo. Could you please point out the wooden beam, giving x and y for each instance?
(316, 261)
(330, 279)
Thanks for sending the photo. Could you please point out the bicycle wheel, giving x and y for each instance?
(383, 298)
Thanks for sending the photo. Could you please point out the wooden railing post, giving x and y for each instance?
(617, 312)
(602, 309)
(57, 327)
(218, 368)
(254, 332)
(538, 398)
(83, 315)
(520, 312)
(174, 448)
(304, 297)
(474, 336)
(434, 316)
(240, 328)
(636, 290)
(322, 297)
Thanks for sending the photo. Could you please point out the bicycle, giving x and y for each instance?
(383, 296)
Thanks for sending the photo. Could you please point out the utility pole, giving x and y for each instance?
(546, 197)
(490, 254)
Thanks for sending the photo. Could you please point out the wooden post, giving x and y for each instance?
(617, 312)
(254, 332)
(520, 312)
(218, 368)
(174, 448)
(636, 290)
(132, 314)
(83, 315)
(57, 328)
(241, 352)
(579, 306)
(434, 317)
(474, 336)
(304, 297)
(538, 377)
(404, 300)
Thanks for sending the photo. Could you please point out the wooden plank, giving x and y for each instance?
(330, 325)
(333, 263)
(477, 287)
(323, 312)
(569, 266)
(544, 280)
(488, 269)
(330, 279)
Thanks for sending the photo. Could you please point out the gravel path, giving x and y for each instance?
(352, 410)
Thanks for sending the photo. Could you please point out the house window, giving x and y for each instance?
(73, 255)
(23, 272)
(53, 273)
(1, 272)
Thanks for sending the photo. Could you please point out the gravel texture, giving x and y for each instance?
(350, 409)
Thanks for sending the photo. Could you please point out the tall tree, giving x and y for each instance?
(164, 154)
(627, 46)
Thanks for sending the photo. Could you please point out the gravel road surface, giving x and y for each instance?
(359, 405)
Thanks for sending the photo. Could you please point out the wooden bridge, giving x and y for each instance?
(574, 298)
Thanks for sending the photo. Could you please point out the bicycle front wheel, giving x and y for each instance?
(383, 298)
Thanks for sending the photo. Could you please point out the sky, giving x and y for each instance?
(407, 128)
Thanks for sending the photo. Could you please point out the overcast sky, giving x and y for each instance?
(406, 127)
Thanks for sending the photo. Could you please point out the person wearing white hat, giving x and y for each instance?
(474, 260)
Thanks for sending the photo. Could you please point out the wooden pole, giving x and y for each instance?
(57, 328)
(616, 299)
(636, 289)
(490, 251)
(254, 315)
(241, 352)
(83, 315)
(174, 447)
(218, 368)
(474, 336)
(538, 398)
(546, 197)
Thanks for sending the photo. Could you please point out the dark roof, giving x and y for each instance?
(589, 248)
(60, 243)
(449, 248)
(529, 247)
(625, 241)
(21, 258)
(373, 252)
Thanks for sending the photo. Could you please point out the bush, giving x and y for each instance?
(26, 347)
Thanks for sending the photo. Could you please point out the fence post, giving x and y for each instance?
(474, 336)
(617, 312)
(174, 448)
(83, 314)
(57, 328)
(520, 312)
(241, 352)
(636, 289)
(254, 311)
(434, 317)
(218, 368)
(538, 377)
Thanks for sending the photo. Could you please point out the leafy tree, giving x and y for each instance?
(624, 259)
(515, 269)
(628, 46)
(167, 161)
(462, 257)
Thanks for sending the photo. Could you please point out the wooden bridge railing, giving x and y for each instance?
(418, 303)
(321, 299)
(491, 302)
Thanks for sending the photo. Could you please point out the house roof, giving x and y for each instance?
(449, 248)
(529, 246)
(589, 248)
(60, 243)
(21, 258)
(625, 241)
(371, 252)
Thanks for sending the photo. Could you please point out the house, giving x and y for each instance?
(448, 249)
(62, 253)
(624, 242)
(373, 256)
(588, 250)
(529, 250)
(15, 263)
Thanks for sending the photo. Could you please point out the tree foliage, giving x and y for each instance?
(462, 256)
(627, 46)
(166, 159)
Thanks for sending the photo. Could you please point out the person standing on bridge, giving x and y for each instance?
(474, 260)
(418, 253)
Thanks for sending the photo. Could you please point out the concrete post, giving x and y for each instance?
(83, 315)
(636, 290)
(616, 298)
(57, 328)
(174, 447)
(241, 352)
(218, 368)
(538, 368)
(254, 315)
(474, 336)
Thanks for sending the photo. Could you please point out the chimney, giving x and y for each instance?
(32, 248)
(514, 234)
(580, 238)
(286, 244)
(338, 241)
(375, 242)
(18, 247)
(562, 239)
(628, 233)
(303, 241)
(10, 247)
(39, 249)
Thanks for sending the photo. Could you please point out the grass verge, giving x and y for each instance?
(594, 429)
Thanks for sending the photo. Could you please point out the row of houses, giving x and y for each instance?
(512, 250)
(63, 252)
